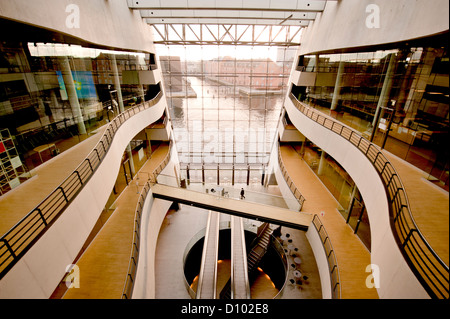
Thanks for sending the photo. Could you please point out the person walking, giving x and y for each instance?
(242, 193)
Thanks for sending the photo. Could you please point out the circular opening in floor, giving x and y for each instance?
(265, 282)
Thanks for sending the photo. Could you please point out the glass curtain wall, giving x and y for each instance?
(398, 98)
(54, 95)
(225, 103)
(341, 186)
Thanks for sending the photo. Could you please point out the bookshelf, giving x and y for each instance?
(12, 170)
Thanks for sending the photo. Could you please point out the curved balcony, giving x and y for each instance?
(333, 269)
(135, 247)
(292, 187)
(412, 269)
(78, 200)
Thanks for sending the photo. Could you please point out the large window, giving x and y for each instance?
(397, 98)
(225, 100)
(54, 95)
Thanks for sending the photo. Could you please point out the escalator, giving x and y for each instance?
(258, 249)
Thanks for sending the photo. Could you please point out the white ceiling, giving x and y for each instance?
(262, 12)
(171, 19)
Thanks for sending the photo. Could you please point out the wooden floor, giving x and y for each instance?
(429, 205)
(15, 204)
(352, 256)
(104, 264)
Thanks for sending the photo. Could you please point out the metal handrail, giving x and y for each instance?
(292, 187)
(132, 267)
(23, 235)
(427, 266)
(331, 257)
(134, 256)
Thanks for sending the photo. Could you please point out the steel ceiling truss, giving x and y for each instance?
(203, 34)
(241, 16)
(252, 22)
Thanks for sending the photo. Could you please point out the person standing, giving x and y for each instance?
(242, 193)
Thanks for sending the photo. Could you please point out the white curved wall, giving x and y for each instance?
(343, 23)
(41, 269)
(153, 214)
(396, 278)
(320, 256)
(274, 166)
(311, 234)
(109, 23)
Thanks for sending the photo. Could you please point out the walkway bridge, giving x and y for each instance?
(256, 206)
(261, 209)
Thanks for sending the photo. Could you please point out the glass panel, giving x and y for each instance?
(364, 230)
(414, 108)
(41, 110)
(229, 86)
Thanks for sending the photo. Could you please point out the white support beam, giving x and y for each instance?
(236, 21)
(259, 5)
(185, 34)
(228, 14)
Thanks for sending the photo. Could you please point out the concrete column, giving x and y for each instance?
(72, 94)
(316, 63)
(141, 92)
(117, 86)
(337, 87)
(321, 163)
(54, 104)
(121, 106)
(385, 92)
(140, 87)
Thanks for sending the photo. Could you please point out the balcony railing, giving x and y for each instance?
(429, 269)
(132, 268)
(331, 258)
(292, 187)
(231, 192)
(20, 238)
